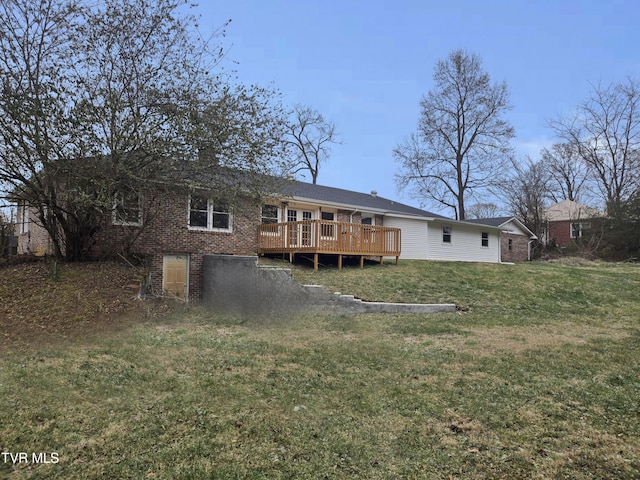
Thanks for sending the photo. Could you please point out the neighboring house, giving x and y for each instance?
(301, 218)
(515, 238)
(566, 222)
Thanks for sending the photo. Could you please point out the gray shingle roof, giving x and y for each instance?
(492, 222)
(348, 199)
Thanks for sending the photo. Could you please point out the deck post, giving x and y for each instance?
(361, 261)
(381, 259)
(315, 261)
(397, 259)
(339, 261)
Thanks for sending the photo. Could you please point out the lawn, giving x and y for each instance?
(536, 376)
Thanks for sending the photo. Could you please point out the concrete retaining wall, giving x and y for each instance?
(236, 284)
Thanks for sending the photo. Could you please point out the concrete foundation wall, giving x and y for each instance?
(237, 285)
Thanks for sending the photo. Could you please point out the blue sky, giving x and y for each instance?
(366, 64)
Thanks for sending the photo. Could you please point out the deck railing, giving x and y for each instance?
(326, 237)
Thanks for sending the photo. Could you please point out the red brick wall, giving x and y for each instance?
(560, 232)
(519, 251)
(167, 232)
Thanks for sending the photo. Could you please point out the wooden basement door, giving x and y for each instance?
(175, 274)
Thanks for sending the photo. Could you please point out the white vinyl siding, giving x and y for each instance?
(465, 243)
(413, 237)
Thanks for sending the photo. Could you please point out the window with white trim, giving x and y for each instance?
(269, 214)
(23, 217)
(485, 239)
(126, 208)
(446, 234)
(206, 214)
(327, 230)
(578, 229)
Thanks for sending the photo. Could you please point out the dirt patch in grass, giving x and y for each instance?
(43, 302)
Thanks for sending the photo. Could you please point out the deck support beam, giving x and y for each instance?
(315, 261)
(339, 261)
(361, 261)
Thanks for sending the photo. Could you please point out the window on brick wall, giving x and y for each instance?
(207, 214)
(510, 244)
(269, 214)
(578, 229)
(327, 230)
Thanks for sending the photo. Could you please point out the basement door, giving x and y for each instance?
(175, 275)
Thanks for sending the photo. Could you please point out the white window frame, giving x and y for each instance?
(582, 226)
(25, 214)
(484, 236)
(262, 216)
(328, 231)
(449, 232)
(210, 218)
(114, 212)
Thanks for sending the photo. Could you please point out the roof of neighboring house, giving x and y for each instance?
(570, 210)
(501, 222)
(349, 199)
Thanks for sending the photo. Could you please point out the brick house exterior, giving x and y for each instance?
(175, 232)
(566, 222)
(168, 232)
(165, 230)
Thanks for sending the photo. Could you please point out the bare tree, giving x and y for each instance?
(483, 210)
(310, 136)
(569, 173)
(527, 191)
(118, 96)
(462, 139)
(605, 132)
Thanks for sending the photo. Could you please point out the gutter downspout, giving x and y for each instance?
(529, 250)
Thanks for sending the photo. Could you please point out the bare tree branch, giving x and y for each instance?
(119, 95)
(569, 173)
(462, 140)
(605, 132)
(309, 139)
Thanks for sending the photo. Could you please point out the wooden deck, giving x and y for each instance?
(325, 237)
